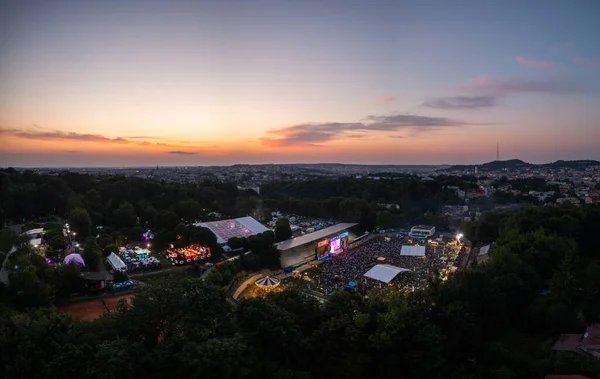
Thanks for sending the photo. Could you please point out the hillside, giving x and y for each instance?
(493, 166)
(581, 164)
(513, 164)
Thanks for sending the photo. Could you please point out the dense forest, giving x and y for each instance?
(495, 320)
(126, 206)
(360, 200)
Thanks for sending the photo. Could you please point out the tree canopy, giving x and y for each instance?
(492, 320)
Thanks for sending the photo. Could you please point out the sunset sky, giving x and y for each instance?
(111, 83)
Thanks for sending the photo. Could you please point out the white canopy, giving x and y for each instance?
(116, 262)
(35, 241)
(484, 250)
(384, 273)
(413, 251)
(35, 231)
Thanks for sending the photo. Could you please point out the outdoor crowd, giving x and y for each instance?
(353, 263)
(192, 253)
(138, 259)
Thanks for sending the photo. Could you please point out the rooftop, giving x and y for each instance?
(567, 342)
(237, 227)
(312, 237)
(425, 227)
(591, 337)
(384, 273)
(413, 251)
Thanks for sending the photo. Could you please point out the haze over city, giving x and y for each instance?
(373, 82)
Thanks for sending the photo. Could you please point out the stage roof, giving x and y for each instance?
(314, 236)
(384, 273)
(238, 227)
(413, 251)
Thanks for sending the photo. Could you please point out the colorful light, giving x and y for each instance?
(148, 236)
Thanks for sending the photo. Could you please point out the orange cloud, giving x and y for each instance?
(74, 137)
(318, 134)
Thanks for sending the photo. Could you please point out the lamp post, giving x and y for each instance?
(458, 237)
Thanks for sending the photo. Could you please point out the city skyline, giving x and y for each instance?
(219, 83)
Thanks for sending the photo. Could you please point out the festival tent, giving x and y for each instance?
(74, 258)
(484, 250)
(32, 232)
(384, 273)
(267, 282)
(116, 263)
(413, 251)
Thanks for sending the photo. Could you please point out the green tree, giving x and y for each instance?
(91, 254)
(104, 240)
(591, 294)
(125, 216)
(564, 286)
(112, 248)
(283, 230)
(235, 243)
(80, 222)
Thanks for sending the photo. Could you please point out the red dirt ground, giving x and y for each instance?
(93, 308)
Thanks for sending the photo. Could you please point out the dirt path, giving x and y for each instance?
(92, 309)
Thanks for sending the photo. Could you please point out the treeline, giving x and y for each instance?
(496, 320)
(27, 195)
(358, 200)
(126, 206)
(117, 209)
(404, 190)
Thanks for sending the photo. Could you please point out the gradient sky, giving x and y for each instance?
(110, 83)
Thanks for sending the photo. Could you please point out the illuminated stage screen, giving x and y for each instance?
(327, 247)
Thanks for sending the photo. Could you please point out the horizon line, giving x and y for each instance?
(291, 164)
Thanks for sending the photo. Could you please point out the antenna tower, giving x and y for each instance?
(497, 151)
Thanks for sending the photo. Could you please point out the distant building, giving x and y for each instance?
(593, 198)
(421, 231)
(455, 210)
(475, 192)
(587, 343)
(572, 200)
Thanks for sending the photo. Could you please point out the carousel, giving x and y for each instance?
(267, 283)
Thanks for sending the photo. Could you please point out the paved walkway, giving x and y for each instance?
(4, 271)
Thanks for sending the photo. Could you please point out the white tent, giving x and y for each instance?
(35, 242)
(35, 231)
(116, 262)
(484, 250)
(384, 273)
(413, 251)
